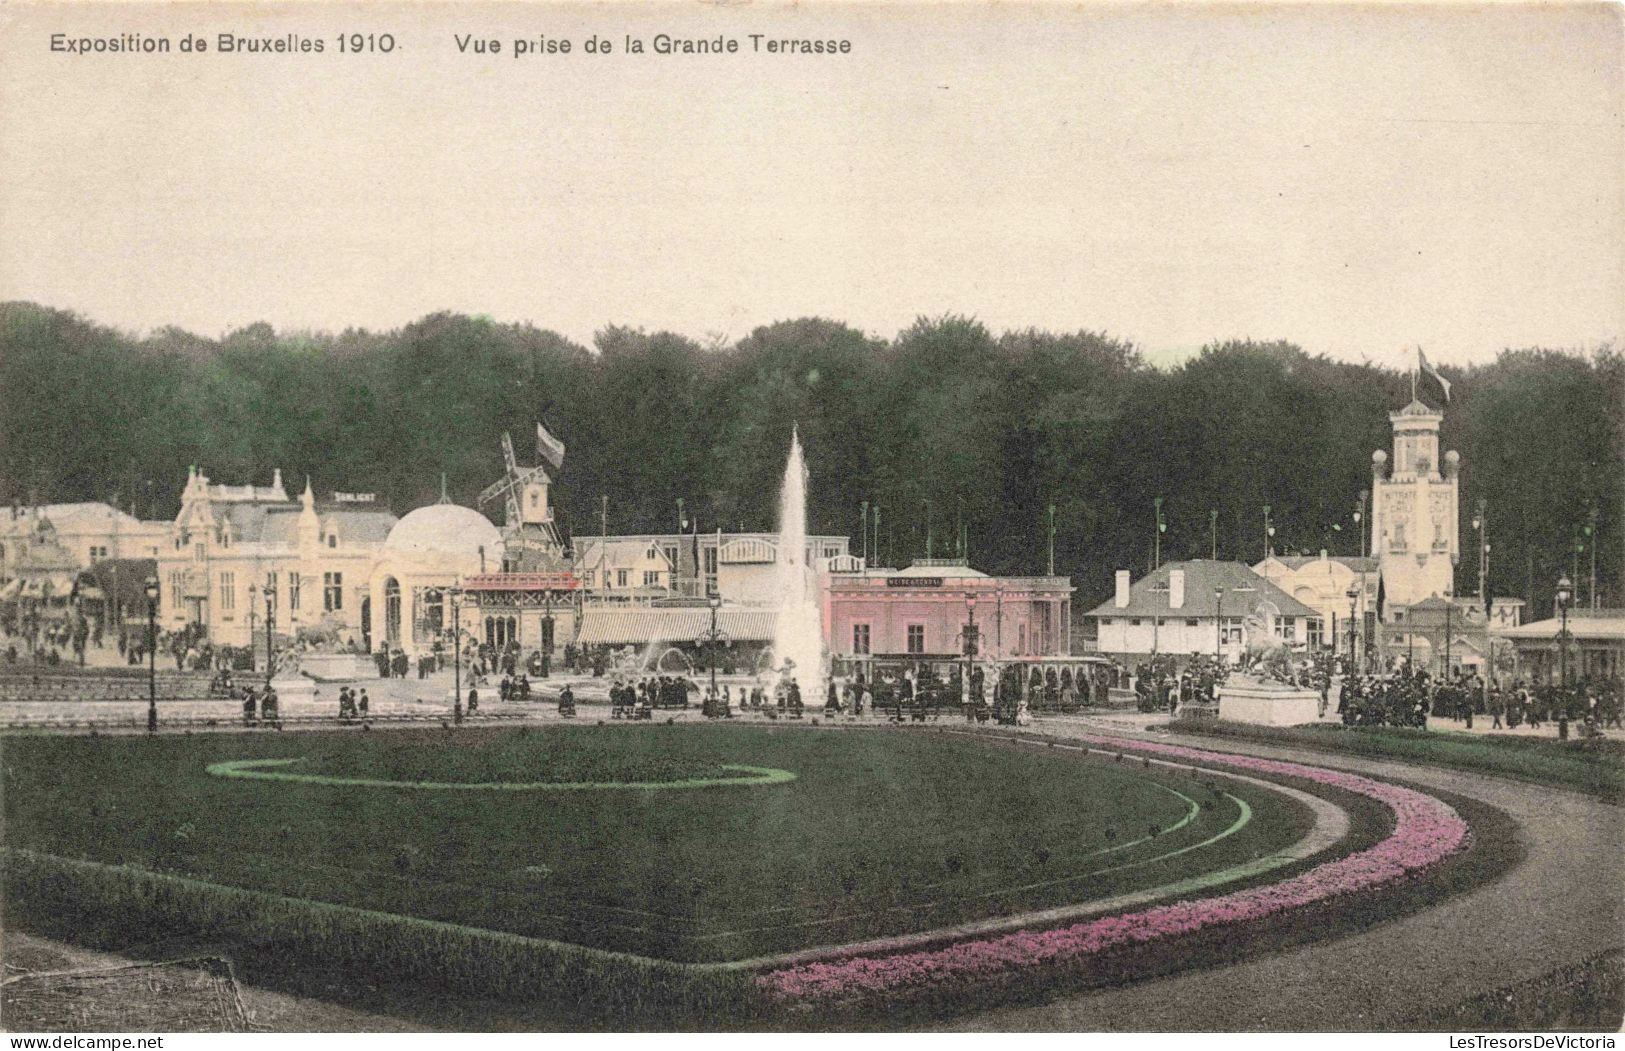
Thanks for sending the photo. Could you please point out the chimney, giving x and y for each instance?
(1176, 589)
(1122, 589)
(276, 479)
(1323, 554)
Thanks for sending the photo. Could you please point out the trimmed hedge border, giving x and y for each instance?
(113, 905)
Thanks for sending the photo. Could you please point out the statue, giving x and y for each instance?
(1264, 656)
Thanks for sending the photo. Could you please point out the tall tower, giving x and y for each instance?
(1414, 517)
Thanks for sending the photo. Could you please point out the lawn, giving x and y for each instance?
(879, 832)
(1594, 767)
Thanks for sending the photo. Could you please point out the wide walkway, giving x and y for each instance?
(1564, 903)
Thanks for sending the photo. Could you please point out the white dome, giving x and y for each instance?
(444, 531)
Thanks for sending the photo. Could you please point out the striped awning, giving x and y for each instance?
(674, 626)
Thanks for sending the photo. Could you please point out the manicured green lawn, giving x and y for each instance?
(879, 833)
(1595, 767)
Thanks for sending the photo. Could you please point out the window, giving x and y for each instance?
(860, 638)
(332, 592)
(1105, 622)
(1283, 627)
(651, 578)
(197, 553)
(710, 561)
(1192, 622)
(916, 638)
(670, 552)
(175, 588)
(1134, 622)
(592, 579)
(535, 499)
(332, 540)
(293, 592)
(1316, 631)
(620, 578)
(97, 552)
(228, 591)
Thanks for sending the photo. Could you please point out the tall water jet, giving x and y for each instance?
(798, 635)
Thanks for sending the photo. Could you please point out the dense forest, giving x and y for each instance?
(946, 423)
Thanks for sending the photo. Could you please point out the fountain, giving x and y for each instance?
(798, 636)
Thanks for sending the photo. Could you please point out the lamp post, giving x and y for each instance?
(456, 596)
(1591, 540)
(1359, 524)
(709, 641)
(1353, 594)
(1052, 540)
(270, 624)
(1156, 557)
(1213, 534)
(1269, 530)
(970, 638)
(1481, 526)
(1565, 596)
(547, 632)
(1218, 624)
(151, 590)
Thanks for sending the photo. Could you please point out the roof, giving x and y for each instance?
(444, 530)
(1243, 591)
(72, 518)
(1356, 563)
(1416, 408)
(946, 570)
(674, 625)
(1601, 624)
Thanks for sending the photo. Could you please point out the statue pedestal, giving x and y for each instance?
(293, 689)
(338, 667)
(1246, 700)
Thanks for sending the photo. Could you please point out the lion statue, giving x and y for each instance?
(1263, 654)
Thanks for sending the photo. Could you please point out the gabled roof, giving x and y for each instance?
(1354, 562)
(1243, 590)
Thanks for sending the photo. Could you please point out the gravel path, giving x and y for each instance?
(1563, 903)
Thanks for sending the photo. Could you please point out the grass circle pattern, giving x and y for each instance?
(255, 770)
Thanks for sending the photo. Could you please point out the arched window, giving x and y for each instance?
(392, 611)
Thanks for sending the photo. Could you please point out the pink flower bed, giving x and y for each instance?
(1426, 830)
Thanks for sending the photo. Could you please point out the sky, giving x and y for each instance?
(1357, 180)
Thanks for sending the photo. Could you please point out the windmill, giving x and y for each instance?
(529, 529)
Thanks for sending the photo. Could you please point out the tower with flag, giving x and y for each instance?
(1415, 505)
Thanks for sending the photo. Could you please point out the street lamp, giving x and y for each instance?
(270, 623)
(456, 596)
(1213, 533)
(547, 632)
(970, 639)
(1269, 530)
(1156, 557)
(1565, 596)
(1353, 594)
(709, 640)
(151, 590)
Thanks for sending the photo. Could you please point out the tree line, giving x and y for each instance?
(957, 436)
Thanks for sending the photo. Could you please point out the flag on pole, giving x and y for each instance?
(548, 447)
(1422, 362)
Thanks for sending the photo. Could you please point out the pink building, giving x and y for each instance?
(921, 613)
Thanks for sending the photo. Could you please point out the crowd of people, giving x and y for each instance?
(637, 700)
